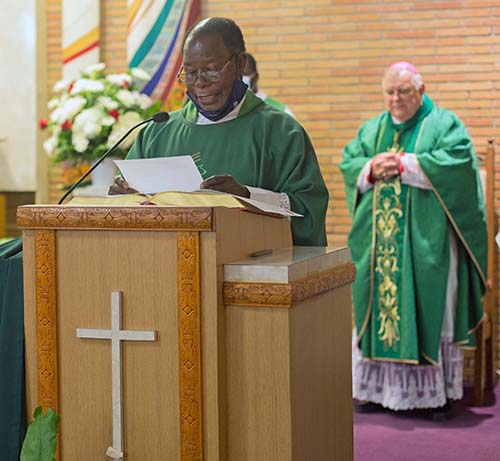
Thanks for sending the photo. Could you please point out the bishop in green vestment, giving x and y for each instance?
(240, 144)
(418, 240)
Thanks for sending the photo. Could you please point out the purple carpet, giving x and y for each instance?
(471, 433)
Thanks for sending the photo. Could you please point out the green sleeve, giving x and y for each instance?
(355, 156)
(450, 164)
(301, 180)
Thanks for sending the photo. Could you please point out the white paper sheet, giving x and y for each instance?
(161, 174)
(268, 208)
(179, 174)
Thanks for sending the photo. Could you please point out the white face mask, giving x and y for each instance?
(247, 79)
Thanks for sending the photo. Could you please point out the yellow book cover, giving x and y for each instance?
(203, 198)
(179, 199)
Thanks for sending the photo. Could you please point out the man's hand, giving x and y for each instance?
(225, 183)
(385, 165)
(120, 186)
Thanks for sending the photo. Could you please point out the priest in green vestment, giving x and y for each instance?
(418, 240)
(240, 145)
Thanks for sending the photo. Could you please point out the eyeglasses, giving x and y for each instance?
(209, 75)
(399, 91)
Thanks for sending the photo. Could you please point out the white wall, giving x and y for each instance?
(18, 123)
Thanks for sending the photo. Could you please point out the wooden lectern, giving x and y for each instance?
(156, 337)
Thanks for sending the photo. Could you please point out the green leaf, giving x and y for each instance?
(40, 441)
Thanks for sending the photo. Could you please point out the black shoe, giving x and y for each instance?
(368, 407)
(441, 414)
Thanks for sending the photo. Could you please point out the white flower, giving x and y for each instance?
(68, 109)
(85, 84)
(50, 144)
(108, 120)
(124, 123)
(91, 111)
(126, 97)
(88, 123)
(140, 74)
(107, 102)
(64, 97)
(53, 103)
(144, 101)
(119, 79)
(99, 67)
(60, 85)
(80, 142)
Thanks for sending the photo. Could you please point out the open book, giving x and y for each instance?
(188, 199)
(178, 178)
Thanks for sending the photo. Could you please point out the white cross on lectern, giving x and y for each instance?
(116, 335)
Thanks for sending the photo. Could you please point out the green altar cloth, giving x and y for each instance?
(12, 385)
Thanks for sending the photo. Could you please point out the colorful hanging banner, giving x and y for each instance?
(156, 31)
(81, 33)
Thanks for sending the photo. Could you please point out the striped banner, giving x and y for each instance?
(80, 40)
(156, 30)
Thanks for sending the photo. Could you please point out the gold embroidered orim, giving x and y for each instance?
(388, 212)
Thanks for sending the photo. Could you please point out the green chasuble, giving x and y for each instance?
(275, 103)
(262, 148)
(400, 242)
(12, 391)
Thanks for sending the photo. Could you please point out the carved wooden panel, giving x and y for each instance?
(46, 321)
(322, 282)
(109, 217)
(287, 294)
(189, 317)
(258, 294)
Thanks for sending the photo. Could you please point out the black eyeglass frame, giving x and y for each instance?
(208, 75)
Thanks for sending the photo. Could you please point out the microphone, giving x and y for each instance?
(159, 117)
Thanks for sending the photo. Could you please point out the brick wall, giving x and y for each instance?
(114, 22)
(325, 58)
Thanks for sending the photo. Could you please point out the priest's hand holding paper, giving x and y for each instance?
(120, 186)
(225, 183)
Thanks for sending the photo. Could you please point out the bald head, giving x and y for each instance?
(225, 28)
(403, 90)
(405, 68)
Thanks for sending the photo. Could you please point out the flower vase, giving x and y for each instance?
(104, 175)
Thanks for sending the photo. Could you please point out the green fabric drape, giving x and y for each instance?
(12, 386)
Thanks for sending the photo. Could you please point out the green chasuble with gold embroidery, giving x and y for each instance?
(400, 242)
(262, 147)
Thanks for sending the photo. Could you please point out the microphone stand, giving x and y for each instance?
(159, 117)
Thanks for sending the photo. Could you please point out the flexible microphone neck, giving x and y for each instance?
(159, 117)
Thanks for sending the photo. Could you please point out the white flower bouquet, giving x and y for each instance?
(88, 115)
